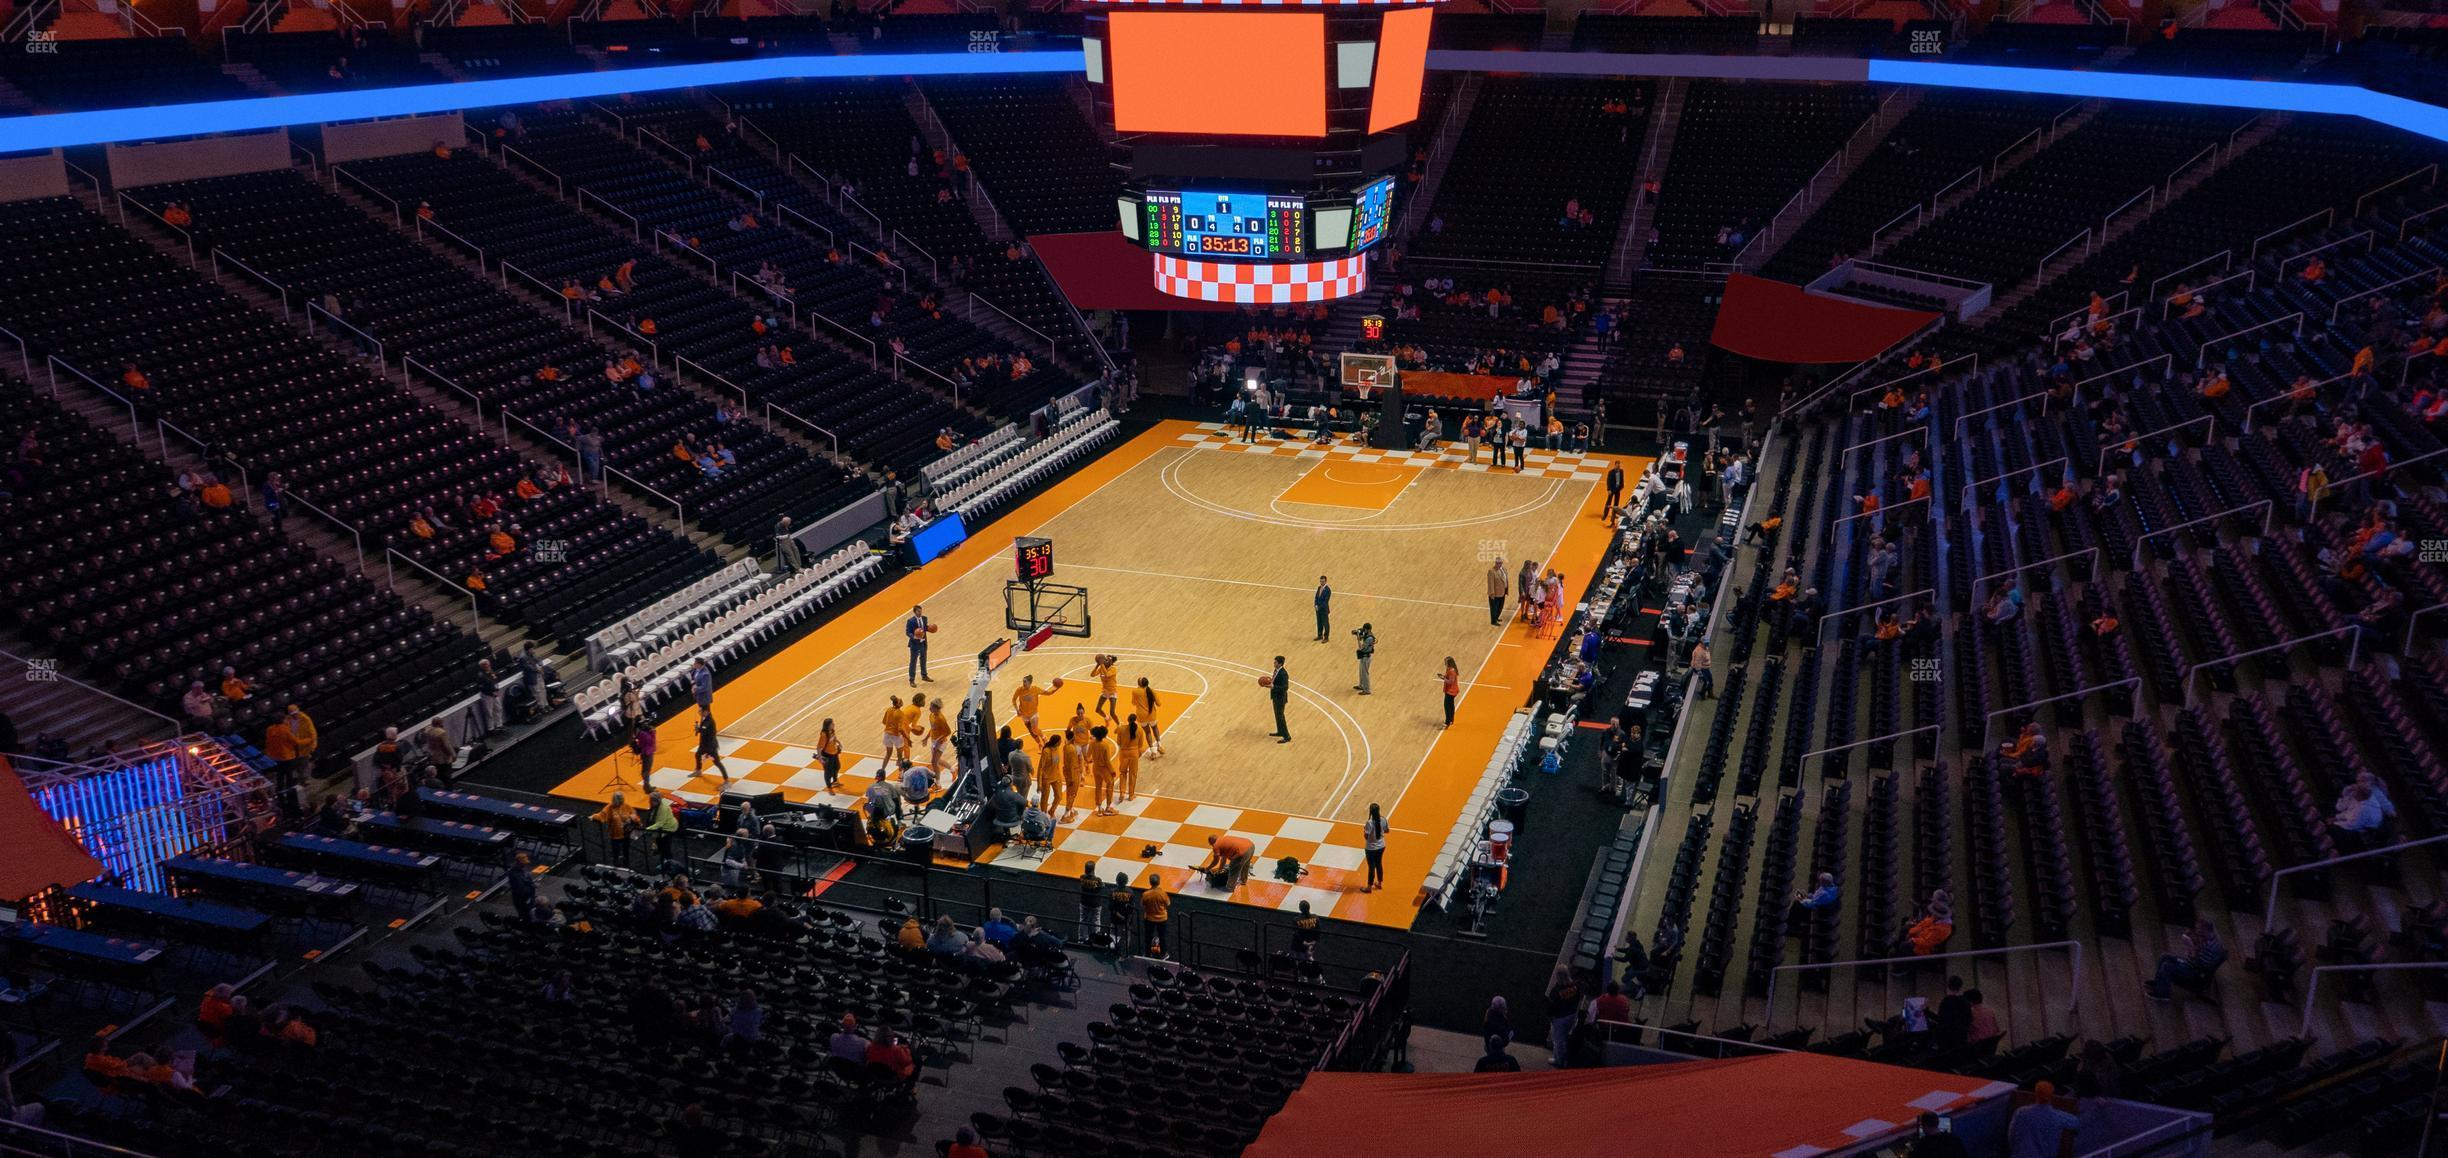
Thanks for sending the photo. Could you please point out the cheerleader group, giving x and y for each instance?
(1098, 749)
(1542, 599)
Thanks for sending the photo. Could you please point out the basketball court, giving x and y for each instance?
(1199, 554)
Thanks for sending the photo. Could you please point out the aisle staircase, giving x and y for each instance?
(1632, 245)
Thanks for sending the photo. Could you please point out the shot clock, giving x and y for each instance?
(1033, 558)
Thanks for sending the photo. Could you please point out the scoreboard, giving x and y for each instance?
(1251, 226)
(1375, 209)
(1033, 558)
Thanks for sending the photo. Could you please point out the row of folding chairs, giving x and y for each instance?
(673, 616)
(997, 486)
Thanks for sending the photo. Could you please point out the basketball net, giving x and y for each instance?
(1367, 379)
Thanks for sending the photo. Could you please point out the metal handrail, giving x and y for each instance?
(637, 231)
(1915, 213)
(1873, 740)
(54, 1142)
(397, 217)
(1831, 616)
(1997, 161)
(560, 187)
(216, 256)
(2083, 239)
(1989, 722)
(2170, 359)
(2268, 508)
(381, 358)
(681, 363)
(2226, 258)
(1883, 509)
(2288, 394)
(2417, 275)
(679, 511)
(2042, 395)
(773, 408)
(1966, 499)
(884, 262)
(2325, 216)
(1973, 175)
(2314, 510)
(807, 222)
(934, 269)
(2108, 320)
(680, 243)
(2431, 170)
(408, 364)
(849, 202)
(2354, 654)
(25, 356)
(2210, 150)
(2073, 995)
(96, 182)
(335, 520)
(2201, 352)
(786, 299)
(2408, 224)
(2249, 275)
(1844, 460)
(175, 726)
(744, 187)
(2367, 237)
(875, 353)
(2269, 916)
(2135, 441)
(163, 428)
(654, 354)
(2020, 568)
(2082, 312)
(2151, 195)
(899, 360)
(126, 199)
(52, 365)
(391, 576)
(2312, 990)
(1932, 368)
(424, 223)
(2410, 621)
(976, 300)
(569, 306)
(686, 158)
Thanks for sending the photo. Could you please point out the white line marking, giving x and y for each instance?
(1339, 595)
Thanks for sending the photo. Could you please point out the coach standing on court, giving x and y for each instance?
(1615, 488)
(1325, 600)
(1497, 584)
(1279, 689)
(916, 629)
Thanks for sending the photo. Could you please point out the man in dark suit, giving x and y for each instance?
(1325, 601)
(916, 628)
(1614, 489)
(1279, 689)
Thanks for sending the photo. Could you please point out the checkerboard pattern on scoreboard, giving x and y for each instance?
(1538, 463)
(1176, 829)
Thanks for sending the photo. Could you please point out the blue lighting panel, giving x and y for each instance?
(131, 819)
(935, 538)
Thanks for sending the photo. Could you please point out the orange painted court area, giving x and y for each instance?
(1500, 668)
(1366, 486)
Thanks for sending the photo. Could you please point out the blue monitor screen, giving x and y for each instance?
(1228, 225)
(1376, 205)
(935, 538)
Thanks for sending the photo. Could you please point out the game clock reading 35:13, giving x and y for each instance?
(1244, 225)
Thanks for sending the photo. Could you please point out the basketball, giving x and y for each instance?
(932, 629)
(1266, 681)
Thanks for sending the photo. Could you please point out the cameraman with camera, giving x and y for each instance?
(1367, 636)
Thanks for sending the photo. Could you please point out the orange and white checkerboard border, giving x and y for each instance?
(1538, 463)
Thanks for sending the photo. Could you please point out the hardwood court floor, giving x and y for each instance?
(1200, 555)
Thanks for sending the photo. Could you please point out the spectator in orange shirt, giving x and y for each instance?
(527, 490)
(134, 379)
(1229, 857)
(626, 275)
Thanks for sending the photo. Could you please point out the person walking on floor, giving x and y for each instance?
(701, 685)
(709, 746)
(1563, 1011)
(1700, 667)
(1519, 439)
(1372, 843)
(1451, 679)
(1279, 691)
(917, 628)
(1367, 650)
(1325, 601)
(1615, 488)
(1496, 584)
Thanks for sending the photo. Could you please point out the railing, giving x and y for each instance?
(2314, 509)
(883, 262)
(2268, 508)
(314, 164)
(687, 159)
(933, 269)
(2167, 366)
(1923, 503)
(424, 223)
(1989, 722)
(2149, 196)
(2073, 1004)
(2249, 275)
(569, 307)
(682, 244)
(408, 366)
(1845, 459)
(380, 358)
(2402, 227)
(391, 576)
(90, 179)
(679, 510)
(397, 217)
(2084, 240)
(875, 353)
(745, 189)
(2431, 171)
(175, 726)
(2287, 395)
(2225, 258)
(900, 361)
(807, 222)
(560, 187)
(126, 199)
(2111, 321)
(2325, 216)
(737, 277)
(976, 301)
(849, 202)
(1998, 162)
(2367, 237)
(1915, 213)
(21, 1138)
(1889, 738)
(2201, 353)
(679, 364)
(27, 19)
(637, 232)
(162, 430)
(2209, 152)
(216, 256)
(2354, 654)
(823, 182)
(2411, 620)
(1933, 368)
(25, 358)
(654, 355)
(2374, 291)
(1831, 617)
(1973, 175)
(52, 366)
(2269, 915)
(773, 408)
(355, 536)
(2036, 564)
(1968, 488)
(2042, 395)
(2312, 991)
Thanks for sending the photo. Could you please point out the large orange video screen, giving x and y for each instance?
(1231, 73)
(1402, 63)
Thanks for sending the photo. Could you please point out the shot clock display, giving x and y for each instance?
(1034, 558)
